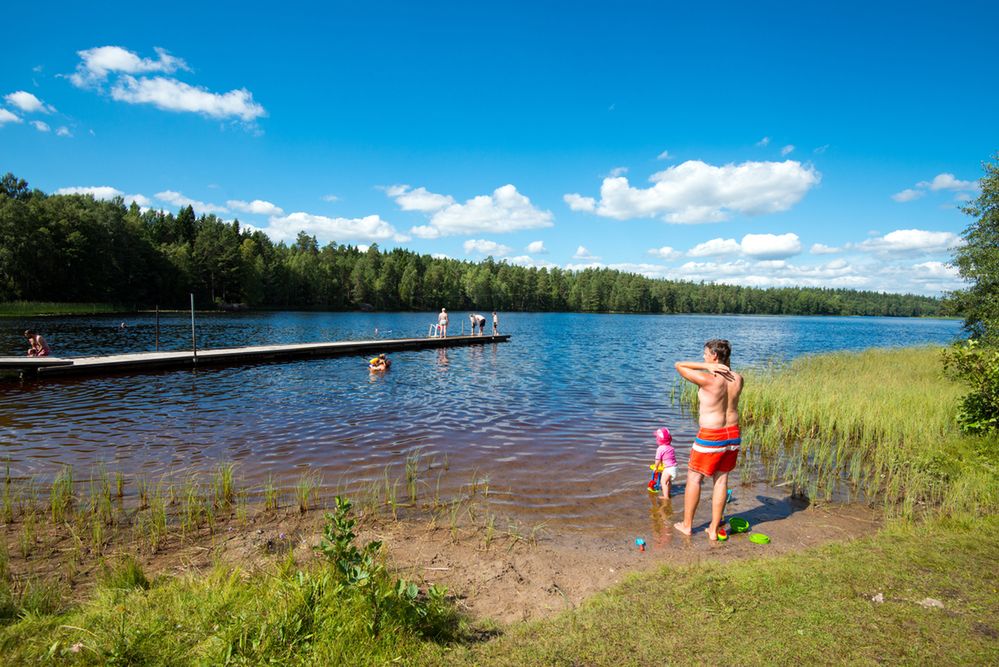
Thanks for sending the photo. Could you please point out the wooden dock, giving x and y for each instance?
(145, 361)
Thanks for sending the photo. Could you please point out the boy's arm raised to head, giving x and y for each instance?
(693, 371)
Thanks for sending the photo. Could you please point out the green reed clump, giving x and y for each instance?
(225, 484)
(881, 421)
(305, 490)
(61, 497)
(271, 495)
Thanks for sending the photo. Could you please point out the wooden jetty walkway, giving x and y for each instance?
(144, 361)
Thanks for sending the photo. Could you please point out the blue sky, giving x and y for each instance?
(749, 143)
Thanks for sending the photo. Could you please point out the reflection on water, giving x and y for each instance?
(559, 420)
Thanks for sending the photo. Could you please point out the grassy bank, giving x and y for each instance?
(43, 308)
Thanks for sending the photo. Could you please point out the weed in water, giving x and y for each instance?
(119, 485)
(413, 474)
(142, 484)
(26, 536)
(305, 490)
(270, 494)
(225, 486)
(61, 497)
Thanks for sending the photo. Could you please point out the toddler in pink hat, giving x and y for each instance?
(665, 462)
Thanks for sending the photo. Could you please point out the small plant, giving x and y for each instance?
(412, 474)
(61, 497)
(119, 485)
(26, 537)
(305, 490)
(225, 486)
(270, 494)
(142, 484)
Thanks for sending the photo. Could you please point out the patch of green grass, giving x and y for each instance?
(36, 308)
(815, 607)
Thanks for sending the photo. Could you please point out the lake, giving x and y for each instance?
(559, 421)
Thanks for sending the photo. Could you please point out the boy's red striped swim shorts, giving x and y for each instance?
(715, 450)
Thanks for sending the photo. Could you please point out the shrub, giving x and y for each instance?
(978, 366)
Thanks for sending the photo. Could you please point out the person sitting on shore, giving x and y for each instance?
(716, 447)
(39, 348)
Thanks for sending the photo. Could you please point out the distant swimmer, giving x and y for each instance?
(38, 346)
(379, 363)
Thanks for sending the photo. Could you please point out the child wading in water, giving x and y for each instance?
(665, 462)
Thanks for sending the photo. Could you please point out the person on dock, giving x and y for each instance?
(38, 346)
(480, 322)
(473, 321)
(442, 323)
(716, 447)
(495, 324)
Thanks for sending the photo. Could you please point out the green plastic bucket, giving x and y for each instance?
(738, 524)
(759, 538)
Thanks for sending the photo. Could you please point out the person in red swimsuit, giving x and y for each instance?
(716, 446)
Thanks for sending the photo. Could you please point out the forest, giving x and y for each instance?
(73, 248)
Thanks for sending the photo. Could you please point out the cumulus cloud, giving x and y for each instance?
(63, 131)
(419, 199)
(96, 64)
(584, 254)
(948, 182)
(912, 241)
(771, 246)
(505, 210)
(822, 249)
(256, 207)
(944, 181)
(528, 261)
(330, 198)
(105, 193)
(100, 64)
(8, 117)
(664, 252)
(174, 95)
(484, 247)
(27, 102)
(694, 192)
(40, 126)
(787, 150)
(536, 248)
(369, 228)
(907, 195)
(579, 203)
(179, 200)
(715, 248)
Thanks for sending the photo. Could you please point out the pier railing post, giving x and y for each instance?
(194, 340)
(157, 327)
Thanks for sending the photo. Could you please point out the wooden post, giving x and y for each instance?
(194, 340)
(157, 327)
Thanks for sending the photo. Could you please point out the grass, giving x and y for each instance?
(37, 308)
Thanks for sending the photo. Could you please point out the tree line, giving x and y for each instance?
(77, 249)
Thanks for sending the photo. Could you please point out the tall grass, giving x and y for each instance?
(34, 308)
(881, 423)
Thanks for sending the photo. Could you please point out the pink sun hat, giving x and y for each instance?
(663, 436)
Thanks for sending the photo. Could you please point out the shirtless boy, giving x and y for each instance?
(716, 446)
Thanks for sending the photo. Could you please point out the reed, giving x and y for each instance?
(270, 494)
(61, 497)
(412, 474)
(225, 484)
(34, 308)
(305, 490)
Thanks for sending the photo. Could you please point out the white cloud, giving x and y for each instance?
(174, 95)
(664, 252)
(63, 131)
(369, 228)
(27, 102)
(256, 207)
(584, 254)
(439, 255)
(912, 241)
(8, 117)
(821, 149)
(771, 246)
(98, 62)
(40, 126)
(948, 182)
(330, 198)
(506, 210)
(179, 200)
(618, 171)
(764, 142)
(579, 203)
(787, 150)
(694, 192)
(528, 261)
(822, 249)
(714, 248)
(664, 156)
(907, 195)
(536, 248)
(483, 247)
(419, 199)
(105, 193)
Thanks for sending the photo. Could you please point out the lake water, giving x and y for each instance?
(559, 420)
